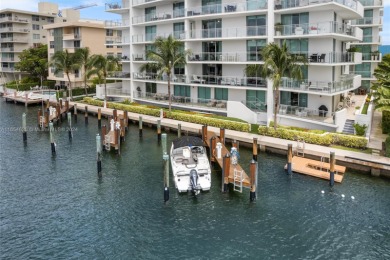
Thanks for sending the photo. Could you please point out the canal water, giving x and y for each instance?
(56, 208)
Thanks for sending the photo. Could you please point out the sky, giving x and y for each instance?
(97, 12)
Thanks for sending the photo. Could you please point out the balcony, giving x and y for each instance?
(150, 37)
(257, 105)
(118, 75)
(158, 17)
(5, 69)
(9, 59)
(117, 7)
(369, 21)
(329, 58)
(365, 74)
(371, 3)
(228, 8)
(14, 19)
(117, 92)
(15, 39)
(117, 40)
(255, 82)
(14, 30)
(347, 82)
(163, 98)
(71, 37)
(11, 49)
(240, 32)
(372, 57)
(306, 113)
(116, 23)
(225, 57)
(343, 31)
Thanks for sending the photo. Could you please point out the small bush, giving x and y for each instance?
(387, 143)
(349, 141)
(360, 129)
(386, 121)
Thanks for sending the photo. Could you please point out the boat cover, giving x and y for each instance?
(187, 141)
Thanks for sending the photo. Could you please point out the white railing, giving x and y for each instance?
(116, 23)
(150, 37)
(14, 39)
(117, 5)
(227, 8)
(240, 32)
(322, 115)
(299, 3)
(330, 57)
(225, 56)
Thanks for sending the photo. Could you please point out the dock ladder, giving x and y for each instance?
(300, 148)
(42, 121)
(107, 142)
(237, 183)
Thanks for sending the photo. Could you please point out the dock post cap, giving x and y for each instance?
(253, 161)
(227, 155)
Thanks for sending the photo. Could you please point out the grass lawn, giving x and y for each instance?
(367, 151)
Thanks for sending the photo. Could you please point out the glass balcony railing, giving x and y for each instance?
(256, 105)
(328, 57)
(14, 39)
(150, 37)
(205, 79)
(365, 21)
(117, 40)
(320, 115)
(284, 4)
(371, 2)
(345, 83)
(117, 5)
(118, 74)
(116, 23)
(225, 56)
(227, 8)
(365, 74)
(181, 100)
(240, 32)
(316, 29)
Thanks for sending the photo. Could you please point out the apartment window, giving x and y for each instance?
(204, 94)
(211, 6)
(151, 87)
(150, 13)
(293, 99)
(119, 33)
(291, 21)
(182, 91)
(35, 18)
(51, 45)
(36, 36)
(119, 55)
(179, 70)
(178, 9)
(211, 50)
(363, 69)
(110, 54)
(150, 32)
(212, 28)
(256, 98)
(298, 45)
(256, 25)
(77, 73)
(76, 44)
(221, 94)
(109, 32)
(178, 29)
(253, 49)
(50, 19)
(213, 72)
(36, 27)
(368, 14)
(367, 34)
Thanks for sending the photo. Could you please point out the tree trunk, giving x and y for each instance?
(276, 107)
(85, 81)
(169, 92)
(70, 86)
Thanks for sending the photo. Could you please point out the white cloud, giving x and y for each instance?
(386, 2)
(31, 5)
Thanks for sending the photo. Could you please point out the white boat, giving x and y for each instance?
(190, 165)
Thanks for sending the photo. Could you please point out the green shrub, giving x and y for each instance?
(360, 129)
(386, 121)
(387, 143)
(313, 138)
(22, 86)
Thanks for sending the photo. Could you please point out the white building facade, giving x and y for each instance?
(227, 35)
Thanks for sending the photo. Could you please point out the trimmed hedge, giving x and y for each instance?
(387, 143)
(244, 127)
(313, 138)
(386, 121)
(22, 86)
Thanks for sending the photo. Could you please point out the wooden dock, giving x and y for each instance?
(316, 168)
(231, 177)
(25, 99)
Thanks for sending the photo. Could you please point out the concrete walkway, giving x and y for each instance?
(376, 136)
(375, 161)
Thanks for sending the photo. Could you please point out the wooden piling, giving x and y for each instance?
(332, 162)
(222, 136)
(98, 158)
(225, 172)
(58, 112)
(52, 143)
(104, 132)
(122, 131)
(69, 115)
(204, 133)
(60, 103)
(254, 149)
(24, 127)
(47, 114)
(39, 117)
(126, 118)
(236, 144)
(115, 115)
(67, 106)
(253, 176)
(166, 167)
(86, 115)
(179, 130)
(289, 159)
(99, 117)
(118, 142)
(158, 130)
(213, 145)
(75, 112)
(140, 126)
(47, 103)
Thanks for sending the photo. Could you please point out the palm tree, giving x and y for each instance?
(167, 55)
(278, 63)
(381, 88)
(65, 62)
(83, 57)
(102, 66)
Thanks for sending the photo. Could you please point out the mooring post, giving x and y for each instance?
(253, 174)
(254, 149)
(126, 117)
(140, 126)
(60, 103)
(24, 127)
(332, 161)
(289, 159)
(86, 115)
(67, 106)
(58, 112)
(47, 103)
(47, 114)
(122, 123)
(75, 112)
(115, 114)
(213, 145)
(70, 125)
(26, 96)
(204, 133)
(179, 130)
(99, 152)
(222, 136)
(225, 172)
(53, 145)
(166, 167)
(99, 117)
(104, 132)
(158, 130)
(39, 118)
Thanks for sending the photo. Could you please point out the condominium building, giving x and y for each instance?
(73, 35)
(20, 30)
(225, 36)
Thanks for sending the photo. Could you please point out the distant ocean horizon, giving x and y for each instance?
(384, 49)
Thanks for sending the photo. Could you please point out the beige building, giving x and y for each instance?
(72, 36)
(20, 30)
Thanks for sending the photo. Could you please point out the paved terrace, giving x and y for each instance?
(367, 161)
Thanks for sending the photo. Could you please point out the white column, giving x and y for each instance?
(132, 87)
(271, 34)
